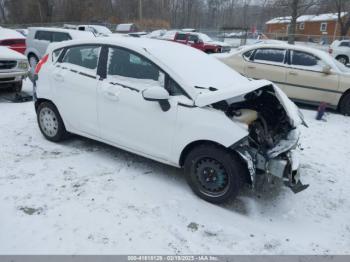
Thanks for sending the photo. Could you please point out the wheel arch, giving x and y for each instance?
(193, 145)
(342, 55)
(346, 93)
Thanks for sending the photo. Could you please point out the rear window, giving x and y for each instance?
(270, 55)
(43, 36)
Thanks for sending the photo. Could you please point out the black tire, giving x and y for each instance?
(343, 59)
(344, 106)
(50, 122)
(17, 87)
(31, 59)
(221, 185)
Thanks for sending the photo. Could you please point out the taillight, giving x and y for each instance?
(41, 63)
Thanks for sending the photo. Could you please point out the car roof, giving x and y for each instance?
(192, 67)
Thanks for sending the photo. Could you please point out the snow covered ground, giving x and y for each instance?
(84, 197)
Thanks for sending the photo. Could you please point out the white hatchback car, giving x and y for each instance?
(173, 104)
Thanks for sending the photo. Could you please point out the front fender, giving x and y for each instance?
(204, 124)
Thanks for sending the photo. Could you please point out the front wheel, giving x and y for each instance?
(344, 106)
(213, 173)
(50, 122)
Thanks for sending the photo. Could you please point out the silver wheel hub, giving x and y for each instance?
(48, 122)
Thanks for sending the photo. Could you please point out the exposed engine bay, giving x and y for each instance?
(269, 148)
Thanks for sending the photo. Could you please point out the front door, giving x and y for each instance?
(126, 118)
(75, 79)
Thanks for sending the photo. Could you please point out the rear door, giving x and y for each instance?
(75, 83)
(267, 63)
(307, 81)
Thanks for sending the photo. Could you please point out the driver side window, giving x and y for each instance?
(124, 63)
(129, 68)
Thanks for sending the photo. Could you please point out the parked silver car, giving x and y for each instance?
(39, 38)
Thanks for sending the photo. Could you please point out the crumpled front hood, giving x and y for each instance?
(211, 97)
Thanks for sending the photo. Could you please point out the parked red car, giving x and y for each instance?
(13, 40)
(202, 42)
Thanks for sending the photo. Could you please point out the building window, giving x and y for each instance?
(323, 27)
(302, 26)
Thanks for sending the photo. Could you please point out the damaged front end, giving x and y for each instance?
(272, 122)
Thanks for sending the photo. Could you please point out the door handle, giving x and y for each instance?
(59, 78)
(293, 73)
(114, 96)
(251, 67)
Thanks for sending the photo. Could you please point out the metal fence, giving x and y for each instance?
(234, 38)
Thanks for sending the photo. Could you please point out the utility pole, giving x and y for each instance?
(140, 10)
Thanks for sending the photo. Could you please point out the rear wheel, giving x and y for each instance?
(343, 59)
(213, 173)
(344, 106)
(50, 122)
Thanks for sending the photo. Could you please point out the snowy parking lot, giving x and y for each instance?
(84, 197)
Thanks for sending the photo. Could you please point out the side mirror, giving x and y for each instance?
(158, 94)
(327, 69)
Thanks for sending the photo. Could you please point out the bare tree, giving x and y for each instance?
(2, 11)
(342, 7)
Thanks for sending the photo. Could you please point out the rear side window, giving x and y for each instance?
(270, 55)
(304, 59)
(345, 44)
(43, 36)
(60, 37)
(84, 56)
(181, 37)
(124, 63)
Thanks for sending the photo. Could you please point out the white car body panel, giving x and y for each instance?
(121, 117)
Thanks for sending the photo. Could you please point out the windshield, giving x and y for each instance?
(202, 72)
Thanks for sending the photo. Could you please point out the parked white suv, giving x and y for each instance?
(39, 38)
(340, 50)
(173, 104)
